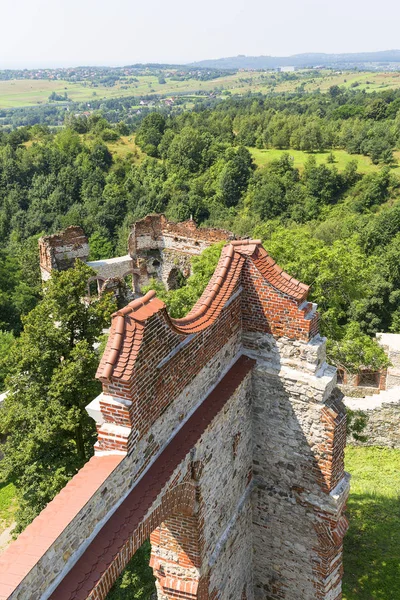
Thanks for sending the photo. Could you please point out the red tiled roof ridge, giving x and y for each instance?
(205, 311)
(278, 278)
(205, 304)
(135, 304)
(118, 330)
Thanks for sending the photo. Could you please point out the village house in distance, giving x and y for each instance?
(221, 437)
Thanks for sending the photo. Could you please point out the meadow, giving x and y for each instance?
(372, 544)
(33, 92)
(263, 157)
(124, 148)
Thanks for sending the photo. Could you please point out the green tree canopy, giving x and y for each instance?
(50, 381)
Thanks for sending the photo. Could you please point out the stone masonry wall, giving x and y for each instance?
(59, 251)
(297, 552)
(158, 246)
(266, 519)
(383, 418)
(225, 500)
(123, 478)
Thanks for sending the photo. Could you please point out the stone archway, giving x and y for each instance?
(173, 528)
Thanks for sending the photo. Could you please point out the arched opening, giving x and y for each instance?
(172, 528)
(137, 579)
(132, 281)
(94, 286)
(176, 279)
(175, 558)
(166, 566)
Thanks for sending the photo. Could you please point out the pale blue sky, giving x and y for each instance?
(119, 32)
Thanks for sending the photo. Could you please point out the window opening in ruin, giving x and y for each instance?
(175, 279)
(340, 376)
(94, 287)
(368, 379)
(128, 279)
(137, 579)
(156, 263)
(170, 558)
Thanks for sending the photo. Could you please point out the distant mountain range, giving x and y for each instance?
(312, 59)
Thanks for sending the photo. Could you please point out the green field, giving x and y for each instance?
(124, 148)
(372, 544)
(8, 504)
(31, 92)
(267, 83)
(342, 158)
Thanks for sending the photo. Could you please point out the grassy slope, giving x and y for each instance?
(125, 147)
(29, 92)
(8, 505)
(372, 545)
(342, 158)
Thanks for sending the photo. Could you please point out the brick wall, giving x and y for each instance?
(163, 381)
(59, 251)
(265, 309)
(254, 507)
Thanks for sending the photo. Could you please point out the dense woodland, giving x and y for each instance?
(338, 231)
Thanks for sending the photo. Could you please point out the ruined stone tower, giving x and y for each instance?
(220, 437)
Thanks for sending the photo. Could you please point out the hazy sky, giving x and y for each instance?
(119, 32)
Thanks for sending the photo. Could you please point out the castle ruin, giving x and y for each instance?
(157, 249)
(220, 436)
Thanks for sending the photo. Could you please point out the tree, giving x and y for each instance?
(356, 350)
(100, 247)
(51, 380)
(6, 343)
(150, 133)
(188, 150)
(234, 176)
(335, 91)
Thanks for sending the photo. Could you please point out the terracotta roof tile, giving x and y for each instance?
(128, 324)
(19, 558)
(282, 281)
(122, 524)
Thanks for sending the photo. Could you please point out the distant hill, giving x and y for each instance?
(312, 59)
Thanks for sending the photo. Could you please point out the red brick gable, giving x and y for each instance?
(274, 302)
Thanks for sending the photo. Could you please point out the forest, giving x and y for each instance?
(337, 230)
